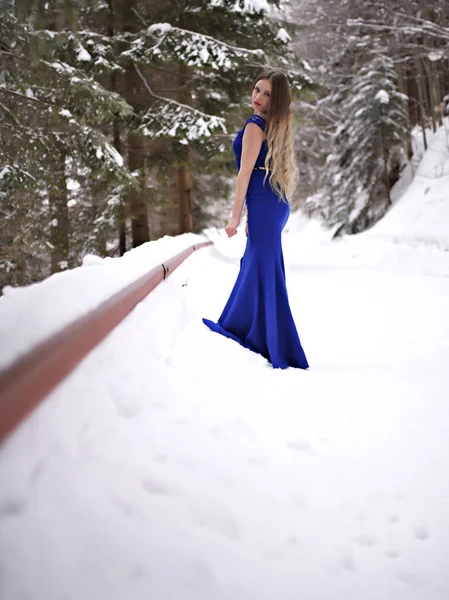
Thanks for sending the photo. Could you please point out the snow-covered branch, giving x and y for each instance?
(173, 119)
(164, 42)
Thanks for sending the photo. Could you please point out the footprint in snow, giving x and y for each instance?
(129, 410)
(37, 472)
(136, 572)
(125, 507)
(11, 507)
(301, 446)
(324, 440)
(347, 562)
(374, 497)
(366, 540)
(413, 579)
(421, 533)
(154, 486)
(158, 405)
(224, 524)
(393, 519)
(258, 461)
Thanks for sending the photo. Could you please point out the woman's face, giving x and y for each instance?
(261, 96)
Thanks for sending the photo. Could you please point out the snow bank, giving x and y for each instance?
(175, 464)
(29, 314)
(421, 216)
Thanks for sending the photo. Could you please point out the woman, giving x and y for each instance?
(257, 314)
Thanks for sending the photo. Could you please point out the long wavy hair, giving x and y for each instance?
(280, 161)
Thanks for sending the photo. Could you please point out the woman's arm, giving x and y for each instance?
(251, 144)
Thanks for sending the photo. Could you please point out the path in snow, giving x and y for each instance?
(175, 465)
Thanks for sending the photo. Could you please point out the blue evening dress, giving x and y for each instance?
(257, 314)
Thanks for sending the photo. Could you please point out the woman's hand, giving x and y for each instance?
(231, 227)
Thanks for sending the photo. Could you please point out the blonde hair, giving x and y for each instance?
(280, 161)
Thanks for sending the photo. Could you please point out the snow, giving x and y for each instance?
(422, 215)
(83, 55)
(283, 35)
(63, 297)
(204, 55)
(159, 28)
(72, 184)
(195, 49)
(435, 56)
(247, 6)
(306, 65)
(253, 6)
(383, 96)
(4, 171)
(176, 117)
(91, 260)
(175, 464)
(115, 154)
(61, 67)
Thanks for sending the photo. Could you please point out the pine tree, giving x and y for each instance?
(83, 85)
(51, 129)
(414, 34)
(196, 62)
(374, 122)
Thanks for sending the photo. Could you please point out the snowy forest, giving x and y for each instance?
(117, 118)
(295, 447)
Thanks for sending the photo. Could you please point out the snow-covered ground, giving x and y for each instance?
(174, 464)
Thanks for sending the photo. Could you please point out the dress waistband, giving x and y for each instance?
(261, 168)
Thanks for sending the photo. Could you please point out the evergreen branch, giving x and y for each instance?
(150, 91)
(172, 121)
(168, 100)
(190, 47)
(9, 53)
(134, 10)
(407, 29)
(444, 31)
(10, 113)
(13, 92)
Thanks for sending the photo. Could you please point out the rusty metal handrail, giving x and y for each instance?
(31, 378)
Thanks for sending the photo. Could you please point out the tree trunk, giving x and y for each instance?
(403, 90)
(385, 169)
(438, 93)
(431, 92)
(137, 96)
(419, 83)
(184, 175)
(113, 26)
(122, 237)
(185, 192)
(59, 219)
(139, 220)
(118, 146)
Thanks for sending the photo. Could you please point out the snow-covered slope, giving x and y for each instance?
(30, 314)
(421, 215)
(174, 464)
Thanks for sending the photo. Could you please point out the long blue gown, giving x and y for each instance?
(257, 314)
